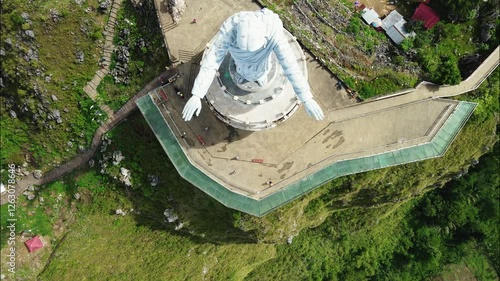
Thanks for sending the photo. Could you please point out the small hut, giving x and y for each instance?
(34, 244)
(393, 25)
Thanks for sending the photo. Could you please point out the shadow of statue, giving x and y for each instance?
(199, 216)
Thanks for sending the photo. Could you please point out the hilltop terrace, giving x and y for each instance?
(256, 172)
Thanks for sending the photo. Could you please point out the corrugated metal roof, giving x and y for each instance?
(395, 35)
(394, 26)
(369, 15)
(391, 19)
(427, 15)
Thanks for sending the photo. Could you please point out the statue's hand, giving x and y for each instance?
(313, 109)
(193, 105)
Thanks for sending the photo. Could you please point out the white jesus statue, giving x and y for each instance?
(251, 38)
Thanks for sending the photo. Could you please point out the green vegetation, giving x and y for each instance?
(401, 223)
(408, 241)
(43, 80)
(126, 251)
(462, 10)
(486, 96)
(356, 52)
(437, 50)
(448, 223)
(138, 32)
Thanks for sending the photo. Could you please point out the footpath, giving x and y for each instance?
(105, 62)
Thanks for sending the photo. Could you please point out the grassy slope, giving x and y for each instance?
(57, 44)
(474, 266)
(342, 244)
(107, 247)
(145, 63)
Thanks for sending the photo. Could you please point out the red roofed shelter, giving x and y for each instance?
(34, 244)
(426, 14)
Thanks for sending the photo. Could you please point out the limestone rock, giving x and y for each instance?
(104, 5)
(153, 179)
(30, 33)
(179, 226)
(80, 56)
(54, 14)
(37, 174)
(170, 214)
(176, 9)
(117, 157)
(29, 195)
(125, 176)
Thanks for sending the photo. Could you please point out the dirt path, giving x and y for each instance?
(382, 7)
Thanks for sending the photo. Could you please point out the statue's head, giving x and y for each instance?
(250, 32)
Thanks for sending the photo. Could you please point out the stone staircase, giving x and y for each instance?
(91, 87)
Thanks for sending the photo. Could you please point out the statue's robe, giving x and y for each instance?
(252, 66)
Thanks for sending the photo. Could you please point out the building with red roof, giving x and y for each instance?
(426, 14)
(34, 244)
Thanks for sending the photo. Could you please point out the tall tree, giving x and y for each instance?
(460, 10)
(448, 71)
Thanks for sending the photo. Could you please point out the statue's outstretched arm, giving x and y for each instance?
(209, 65)
(292, 71)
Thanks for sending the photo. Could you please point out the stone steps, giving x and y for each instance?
(167, 27)
(91, 88)
(185, 56)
